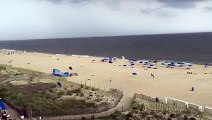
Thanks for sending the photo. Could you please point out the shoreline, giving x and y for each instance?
(91, 56)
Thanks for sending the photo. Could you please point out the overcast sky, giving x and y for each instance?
(34, 19)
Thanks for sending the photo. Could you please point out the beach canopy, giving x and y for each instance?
(2, 106)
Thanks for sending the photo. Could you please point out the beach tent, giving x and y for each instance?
(59, 84)
(172, 64)
(104, 59)
(181, 63)
(65, 74)
(206, 65)
(57, 72)
(131, 59)
(141, 62)
(2, 106)
(134, 73)
(132, 64)
(163, 64)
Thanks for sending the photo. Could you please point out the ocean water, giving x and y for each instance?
(191, 47)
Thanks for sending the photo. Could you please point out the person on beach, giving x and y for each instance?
(152, 75)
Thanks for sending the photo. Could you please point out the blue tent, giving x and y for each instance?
(2, 106)
(57, 72)
(171, 65)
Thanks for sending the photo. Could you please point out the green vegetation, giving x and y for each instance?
(21, 96)
(39, 93)
(145, 110)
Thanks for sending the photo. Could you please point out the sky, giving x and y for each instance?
(41, 19)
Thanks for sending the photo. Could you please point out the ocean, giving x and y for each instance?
(190, 47)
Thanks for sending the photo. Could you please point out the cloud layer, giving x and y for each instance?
(34, 19)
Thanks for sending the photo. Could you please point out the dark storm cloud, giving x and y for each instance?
(181, 4)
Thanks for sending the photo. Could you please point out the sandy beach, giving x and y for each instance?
(175, 82)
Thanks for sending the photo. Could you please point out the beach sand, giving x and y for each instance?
(175, 83)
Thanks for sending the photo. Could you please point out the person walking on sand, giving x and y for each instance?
(152, 75)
